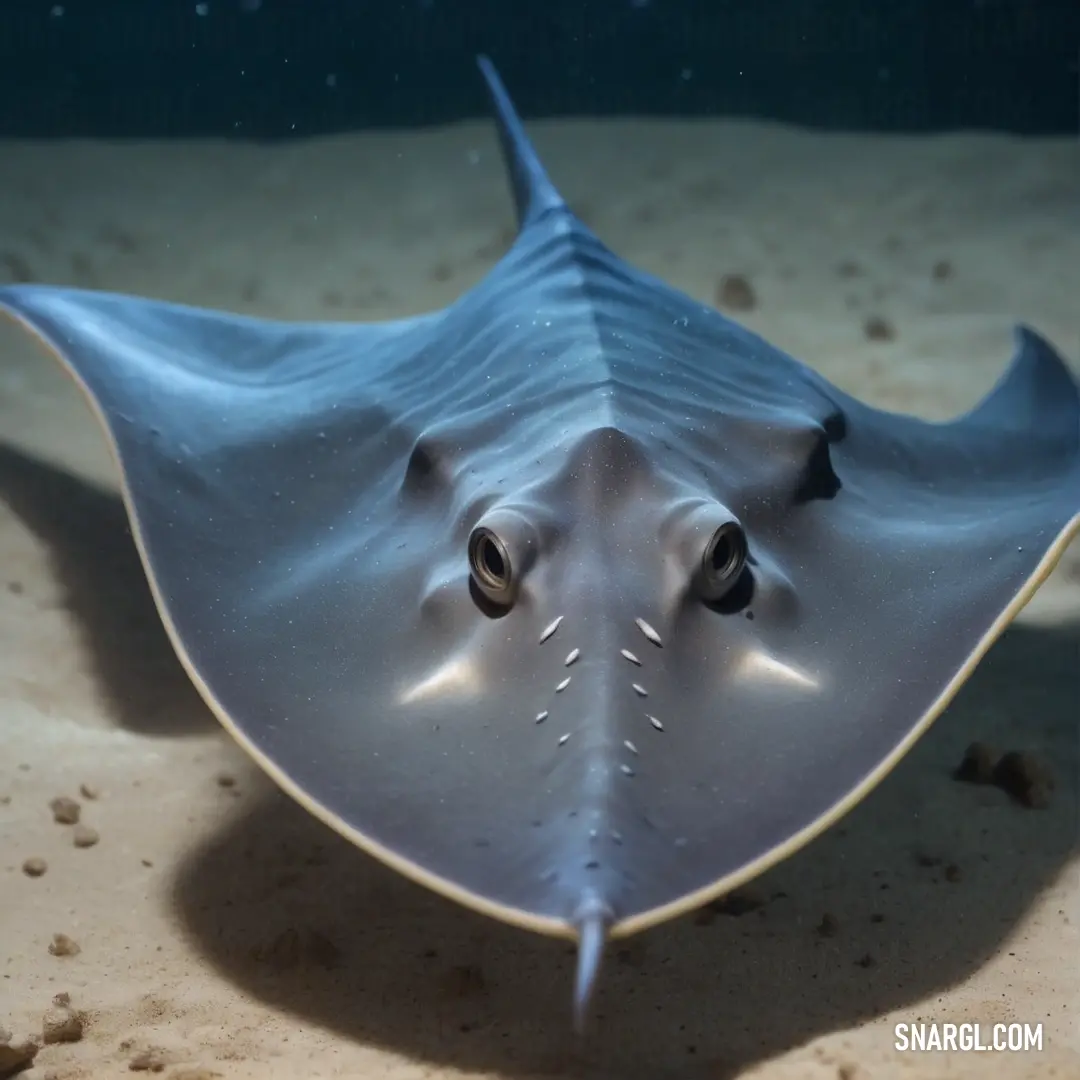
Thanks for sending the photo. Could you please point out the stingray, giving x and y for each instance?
(575, 601)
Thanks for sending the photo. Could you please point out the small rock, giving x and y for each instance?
(952, 873)
(16, 1054)
(34, 867)
(849, 1071)
(65, 811)
(61, 1023)
(828, 925)
(1021, 776)
(977, 765)
(866, 961)
(83, 836)
(226, 780)
(941, 270)
(151, 1060)
(739, 902)
(877, 328)
(62, 945)
(736, 293)
(89, 791)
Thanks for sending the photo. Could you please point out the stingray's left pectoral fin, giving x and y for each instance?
(1037, 391)
(128, 349)
(592, 920)
(1016, 452)
(1020, 445)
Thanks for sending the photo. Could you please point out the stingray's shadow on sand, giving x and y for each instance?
(922, 882)
(86, 532)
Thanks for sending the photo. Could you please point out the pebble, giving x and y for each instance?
(1018, 774)
(941, 270)
(977, 765)
(738, 902)
(34, 867)
(736, 293)
(83, 836)
(65, 811)
(877, 328)
(828, 925)
(147, 1061)
(62, 945)
(61, 1023)
(1021, 776)
(16, 1054)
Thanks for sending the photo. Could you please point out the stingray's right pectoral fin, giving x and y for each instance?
(131, 350)
(180, 369)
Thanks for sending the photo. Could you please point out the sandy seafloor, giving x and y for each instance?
(223, 929)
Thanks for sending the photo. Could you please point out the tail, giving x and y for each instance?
(592, 920)
(534, 193)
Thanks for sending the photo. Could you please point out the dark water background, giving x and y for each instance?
(276, 68)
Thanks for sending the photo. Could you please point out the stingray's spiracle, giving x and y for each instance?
(724, 559)
(713, 548)
(501, 550)
(490, 562)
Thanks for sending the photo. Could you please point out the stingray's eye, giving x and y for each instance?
(490, 563)
(724, 559)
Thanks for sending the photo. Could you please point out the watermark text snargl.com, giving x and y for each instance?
(992, 1038)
